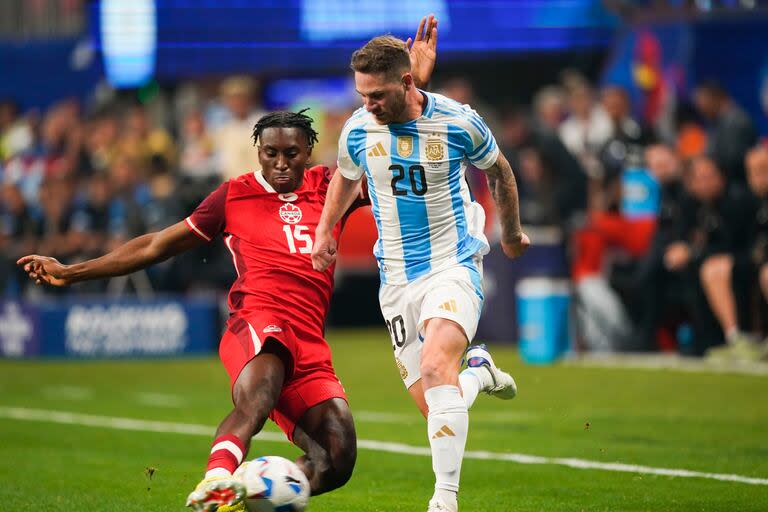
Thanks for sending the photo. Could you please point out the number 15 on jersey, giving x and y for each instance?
(296, 236)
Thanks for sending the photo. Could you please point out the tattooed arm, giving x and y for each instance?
(503, 188)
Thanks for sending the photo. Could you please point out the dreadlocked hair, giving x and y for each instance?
(285, 119)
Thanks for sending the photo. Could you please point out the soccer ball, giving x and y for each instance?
(273, 484)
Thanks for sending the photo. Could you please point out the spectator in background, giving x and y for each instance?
(198, 158)
(727, 276)
(101, 141)
(131, 194)
(568, 180)
(56, 233)
(233, 139)
(690, 136)
(537, 202)
(628, 137)
(16, 133)
(604, 319)
(730, 132)
(92, 218)
(9, 113)
(713, 221)
(651, 292)
(549, 109)
(18, 235)
(587, 127)
(141, 141)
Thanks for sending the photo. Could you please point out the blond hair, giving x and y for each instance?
(384, 54)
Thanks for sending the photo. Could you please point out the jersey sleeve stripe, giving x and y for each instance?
(465, 112)
(195, 230)
(489, 148)
(355, 140)
(480, 148)
(488, 158)
(478, 123)
(470, 126)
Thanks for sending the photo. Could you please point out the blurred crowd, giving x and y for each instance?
(76, 184)
(665, 223)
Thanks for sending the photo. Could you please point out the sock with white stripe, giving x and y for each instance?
(447, 425)
(226, 456)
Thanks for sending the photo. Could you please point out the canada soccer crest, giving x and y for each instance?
(290, 213)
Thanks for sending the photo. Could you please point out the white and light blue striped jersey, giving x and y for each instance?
(424, 211)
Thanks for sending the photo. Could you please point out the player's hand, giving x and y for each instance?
(324, 251)
(423, 51)
(516, 247)
(44, 269)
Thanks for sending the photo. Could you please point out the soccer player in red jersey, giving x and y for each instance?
(273, 349)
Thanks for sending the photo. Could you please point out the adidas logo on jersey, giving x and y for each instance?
(378, 150)
(443, 432)
(449, 306)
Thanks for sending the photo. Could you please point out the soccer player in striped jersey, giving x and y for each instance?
(413, 147)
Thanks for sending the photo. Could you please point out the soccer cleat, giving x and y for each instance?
(502, 384)
(741, 349)
(439, 506)
(240, 507)
(215, 492)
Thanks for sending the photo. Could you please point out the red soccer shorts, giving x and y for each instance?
(311, 380)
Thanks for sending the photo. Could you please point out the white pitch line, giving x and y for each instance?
(20, 413)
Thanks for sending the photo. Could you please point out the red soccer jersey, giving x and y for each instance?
(270, 236)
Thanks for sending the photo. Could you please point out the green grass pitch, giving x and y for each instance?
(703, 422)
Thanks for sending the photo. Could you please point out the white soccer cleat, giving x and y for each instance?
(502, 384)
(439, 506)
(215, 492)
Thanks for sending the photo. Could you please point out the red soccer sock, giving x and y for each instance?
(226, 455)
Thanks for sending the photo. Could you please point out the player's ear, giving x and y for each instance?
(408, 81)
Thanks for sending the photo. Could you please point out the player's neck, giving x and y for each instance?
(414, 105)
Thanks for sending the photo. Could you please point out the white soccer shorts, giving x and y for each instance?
(454, 293)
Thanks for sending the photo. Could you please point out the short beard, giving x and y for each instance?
(398, 108)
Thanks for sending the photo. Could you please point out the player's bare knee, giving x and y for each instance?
(343, 453)
(342, 464)
(436, 368)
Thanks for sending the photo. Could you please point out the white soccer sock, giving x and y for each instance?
(470, 386)
(472, 381)
(447, 425)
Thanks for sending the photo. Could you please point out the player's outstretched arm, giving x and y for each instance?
(503, 186)
(133, 255)
(423, 51)
(341, 193)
